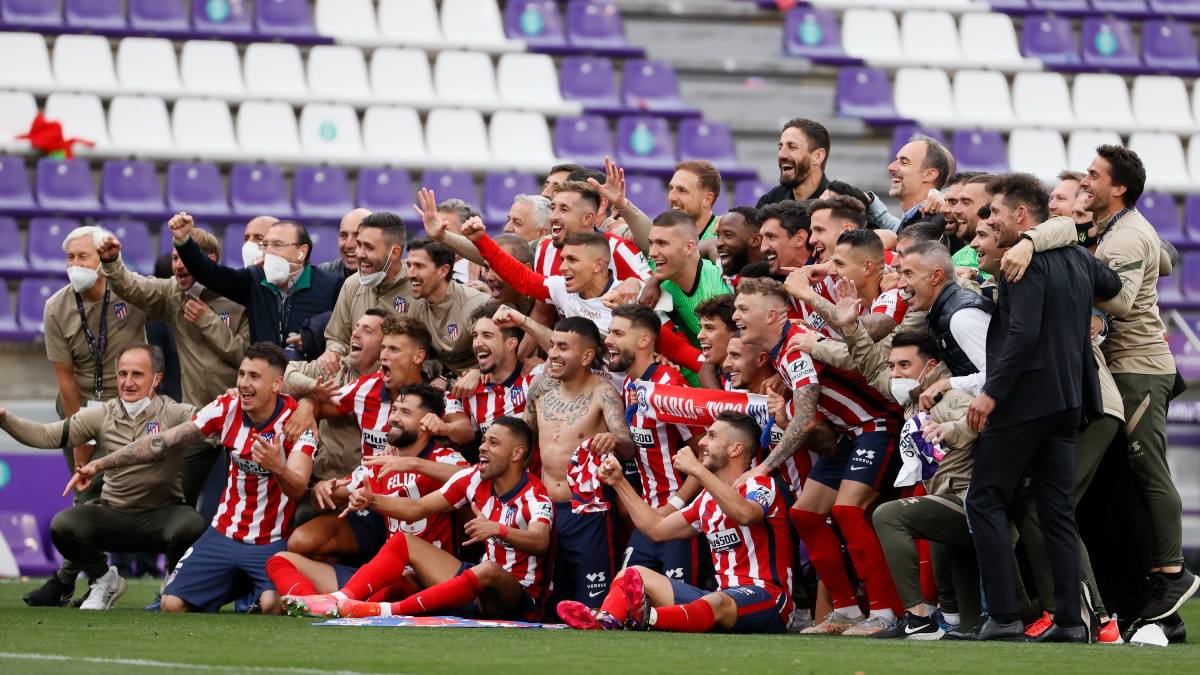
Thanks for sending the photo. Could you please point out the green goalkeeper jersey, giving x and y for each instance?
(709, 284)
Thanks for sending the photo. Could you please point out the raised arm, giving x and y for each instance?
(235, 284)
(648, 521)
(143, 451)
(520, 277)
(152, 295)
(67, 433)
(733, 503)
(613, 190)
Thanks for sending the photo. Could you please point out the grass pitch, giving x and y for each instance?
(128, 640)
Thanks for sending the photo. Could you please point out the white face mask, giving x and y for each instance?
(250, 254)
(277, 269)
(901, 388)
(82, 278)
(136, 407)
(375, 278)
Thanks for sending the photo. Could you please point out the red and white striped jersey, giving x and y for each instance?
(253, 509)
(824, 288)
(583, 476)
(891, 304)
(436, 529)
(492, 400)
(657, 442)
(520, 507)
(626, 260)
(748, 555)
(847, 400)
(794, 469)
(369, 400)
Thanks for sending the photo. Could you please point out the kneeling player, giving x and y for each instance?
(514, 515)
(748, 534)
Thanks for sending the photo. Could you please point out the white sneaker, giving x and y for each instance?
(105, 591)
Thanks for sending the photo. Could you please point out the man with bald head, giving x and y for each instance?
(254, 234)
(347, 262)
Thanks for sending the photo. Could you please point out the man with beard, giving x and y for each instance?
(441, 303)
(921, 165)
(716, 328)
(681, 272)
(347, 262)
(974, 194)
(786, 237)
(411, 465)
(739, 242)
(803, 153)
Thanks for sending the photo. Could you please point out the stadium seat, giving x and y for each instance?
(338, 73)
(1040, 152)
(274, 70)
(647, 192)
(499, 189)
(1049, 39)
(872, 35)
(1162, 153)
(255, 189)
(1042, 99)
(1193, 156)
(457, 137)
(1168, 45)
(284, 18)
(81, 116)
(346, 20)
(130, 187)
(325, 243)
(979, 151)
(916, 87)
(1065, 7)
(17, 110)
(451, 185)
(94, 15)
(148, 66)
(1191, 217)
(529, 81)
(651, 86)
(31, 14)
(1135, 8)
(29, 50)
(644, 143)
(595, 25)
(321, 192)
(903, 133)
(32, 296)
(537, 23)
(158, 16)
(45, 243)
(585, 140)
(713, 141)
(409, 22)
(402, 75)
(465, 78)
(590, 81)
(65, 185)
(394, 134)
(1169, 291)
(22, 533)
(383, 189)
(866, 93)
(12, 256)
(267, 129)
(473, 23)
(204, 127)
(521, 139)
(981, 99)
(330, 130)
(211, 68)
(1101, 100)
(84, 63)
(1081, 147)
(136, 251)
(816, 35)
(1160, 102)
(15, 193)
(1180, 9)
(10, 332)
(1160, 209)
(1190, 279)
(988, 39)
(197, 188)
(1108, 43)
(748, 192)
(139, 124)
(930, 37)
(221, 19)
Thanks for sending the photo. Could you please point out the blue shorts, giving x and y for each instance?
(868, 459)
(678, 559)
(371, 533)
(343, 573)
(758, 610)
(217, 569)
(583, 557)
(525, 609)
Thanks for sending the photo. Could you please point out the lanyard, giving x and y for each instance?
(97, 347)
(1116, 217)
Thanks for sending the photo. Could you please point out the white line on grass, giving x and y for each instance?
(149, 663)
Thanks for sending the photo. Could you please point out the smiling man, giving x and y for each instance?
(803, 153)
(921, 165)
(739, 241)
(694, 190)
(683, 274)
(441, 303)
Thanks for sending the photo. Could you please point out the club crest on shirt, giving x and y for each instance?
(452, 330)
(224, 316)
(120, 310)
(517, 396)
(152, 427)
(400, 304)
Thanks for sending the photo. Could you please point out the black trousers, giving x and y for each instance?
(82, 533)
(1046, 447)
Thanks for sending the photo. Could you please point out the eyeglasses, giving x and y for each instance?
(277, 245)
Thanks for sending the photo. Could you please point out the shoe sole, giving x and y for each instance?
(634, 588)
(294, 608)
(122, 586)
(927, 637)
(575, 618)
(1184, 597)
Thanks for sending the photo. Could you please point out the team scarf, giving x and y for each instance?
(919, 458)
(676, 404)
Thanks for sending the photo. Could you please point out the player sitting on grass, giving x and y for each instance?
(748, 534)
(513, 515)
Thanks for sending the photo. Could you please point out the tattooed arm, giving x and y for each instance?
(142, 451)
(805, 402)
(612, 407)
(531, 400)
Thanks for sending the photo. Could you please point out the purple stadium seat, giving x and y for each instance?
(231, 244)
(45, 243)
(713, 141)
(1067, 7)
(1009, 6)
(1160, 209)
(1191, 276)
(66, 185)
(158, 15)
(321, 192)
(325, 243)
(866, 93)
(499, 190)
(12, 258)
(1168, 45)
(1191, 216)
(450, 185)
(816, 35)
(259, 189)
(33, 14)
(537, 22)
(130, 187)
(648, 193)
(905, 132)
(220, 17)
(8, 320)
(196, 187)
(1169, 291)
(980, 151)
(21, 531)
(1134, 8)
(595, 24)
(1180, 9)
(136, 250)
(590, 81)
(98, 15)
(585, 140)
(747, 192)
(284, 18)
(385, 190)
(1108, 43)
(32, 295)
(1050, 39)
(14, 184)
(650, 86)
(644, 144)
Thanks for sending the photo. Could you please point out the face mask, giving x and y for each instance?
(250, 254)
(901, 388)
(137, 407)
(277, 269)
(194, 290)
(82, 278)
(375, 278)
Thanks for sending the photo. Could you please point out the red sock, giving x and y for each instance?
(868, 557)
(385, 569)
(825, 553)
(694, 617)
(929, 589)
(450, 594)
(397, 591)
(614, 603)
(287, 579)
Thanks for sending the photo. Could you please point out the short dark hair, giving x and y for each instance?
(792, 215)
(864, 240)
(710, 178)
(569, 167)
(753, 215)
(842, 208)
(640, 316)
(302, 237)
(487, 311)
(592, 240)
(764, 286)
(936, 157)
(962, 177)
(581, 174)
(815, 132)
(440, 253)
(923, 230)
(925, 343)
(517, 427)
(269, 352)
(412, 329)
(585, 191)
(841, 187)
(981, 178)
(745, 425)
(432, 399)
(390, 226)
(158, 362)
(676, 218)
(718, 307)
(381, 312)
(583, 328)
(1126, 169)
(1023, 189)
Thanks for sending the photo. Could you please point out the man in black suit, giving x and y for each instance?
(1042, 385)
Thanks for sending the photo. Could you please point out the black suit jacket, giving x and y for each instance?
(1039, 355)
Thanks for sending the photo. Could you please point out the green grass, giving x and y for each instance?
(234, 643)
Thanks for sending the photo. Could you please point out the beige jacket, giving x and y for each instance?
(355, 299)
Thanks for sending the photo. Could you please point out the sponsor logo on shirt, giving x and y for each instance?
(120, 310)
(248, 466)
(724, 540)
(376, 439)
(643, 437)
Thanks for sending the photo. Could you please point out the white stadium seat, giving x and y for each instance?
(930, 38)
(140, 124)
(402, 75)
(457, 138)
(84, 63)
(338, 73)
(1162, 153)
(1042, 99)
(1081, 147)
(410, 22)
(267, 130)
(274, 70)
(1160, 102)
(1040, 152)
(872, 35)
(473, 24)
(982, 100)
(915, 88)
(394, 134)
(1193, 157)
(148, 65)
(529, 81)
(522, 138)
(81, 116)
(330, 130)
(203, 126)
(17, 110)
(346, 20)
(26, 63)
(465, 78)
(211, 68)
(989, 39)
(1102, 100)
